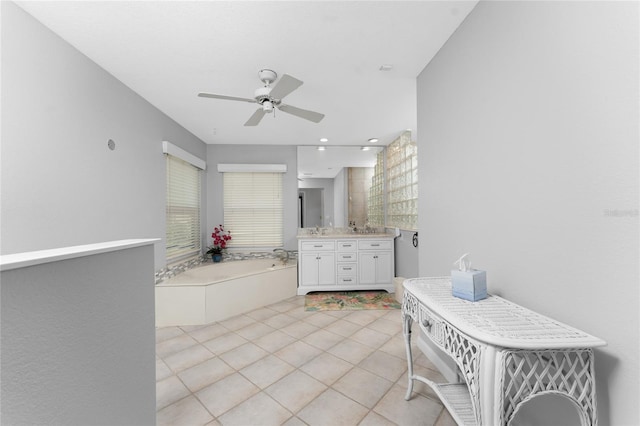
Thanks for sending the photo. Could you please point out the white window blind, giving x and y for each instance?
(253, 209)
(182, 210)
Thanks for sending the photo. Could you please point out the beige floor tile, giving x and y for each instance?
(343, 328)
(192, 328)
(237, 322)
(375, 419)
(175, 344)
(294, 421)
(261, 314)
(165, 333)
(168, 391)
(351, 351)
(187, 411)
(267, 371)
(323, 339)
(300, 314)
(445, 419)
(255, 331)
(225, 394)
(363, 387)
(326, 368)
(397, 347)
(244, 355)
(260, 409)
(362, 318)
(333, 409)
(384, 365)
(421, 359)
(188, 358)
(225, 343)
(280, 320)
(385, 326)
(295, 390)
(162, 371)
(275, 341)
(209, 332)
(370, 337)
(298, 353)
(204, 374)
(299, 329)
(394, 315)
(284, 306)
(419, 410)
(320, 319)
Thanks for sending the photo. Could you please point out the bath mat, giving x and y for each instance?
(349, 301)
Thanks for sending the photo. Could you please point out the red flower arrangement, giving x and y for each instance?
(220, 239)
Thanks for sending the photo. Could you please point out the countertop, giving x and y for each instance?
(342, 236)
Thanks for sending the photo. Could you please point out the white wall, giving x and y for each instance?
(61, 185)
(253, 154)
(78, 341)
(528, 151)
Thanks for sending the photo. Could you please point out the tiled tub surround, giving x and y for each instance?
(215, 291)
(173, 270)
(280, 365)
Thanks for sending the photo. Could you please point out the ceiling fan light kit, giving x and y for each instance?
(271, 97)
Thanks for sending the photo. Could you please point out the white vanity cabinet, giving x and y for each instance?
(346, 262)
(319, 260)
(375, 263)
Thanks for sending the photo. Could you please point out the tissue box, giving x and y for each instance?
(469, 285)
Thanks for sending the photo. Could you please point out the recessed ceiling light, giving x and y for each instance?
(373, 140)
(365, 148)
(324, 140)
(321, 148)
(386, 67)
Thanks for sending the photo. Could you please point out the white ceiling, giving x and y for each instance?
(168, 51)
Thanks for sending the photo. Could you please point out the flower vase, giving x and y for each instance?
(217, 257)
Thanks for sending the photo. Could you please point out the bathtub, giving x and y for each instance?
(222, 290)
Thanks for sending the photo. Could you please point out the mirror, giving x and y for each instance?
(333, 184)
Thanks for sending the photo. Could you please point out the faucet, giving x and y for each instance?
(284, 258)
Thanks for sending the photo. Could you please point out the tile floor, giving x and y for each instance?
(280, 365)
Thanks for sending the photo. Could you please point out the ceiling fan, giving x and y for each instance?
(269, 97)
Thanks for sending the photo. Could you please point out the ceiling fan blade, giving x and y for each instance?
(228, 98)
(316, 117)
(254, 120)
(284, 86)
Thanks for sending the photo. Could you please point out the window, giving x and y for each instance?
(182, 209)
(253, 210)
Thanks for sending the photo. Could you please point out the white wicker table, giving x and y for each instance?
(506, 354)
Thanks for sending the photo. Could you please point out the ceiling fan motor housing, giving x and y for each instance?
(262, 94)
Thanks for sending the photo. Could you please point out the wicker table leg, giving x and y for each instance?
(406, 330)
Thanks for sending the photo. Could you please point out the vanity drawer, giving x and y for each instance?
(374, 244)
(347, 257)
(318, 245)
(347, 245)
(347, 268)
(347, 279)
